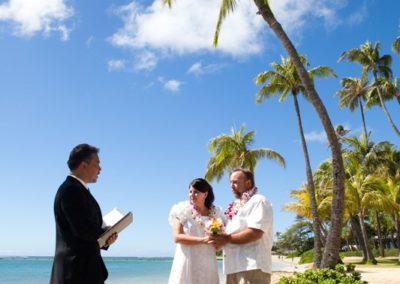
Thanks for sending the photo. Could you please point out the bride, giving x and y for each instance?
(192, 224)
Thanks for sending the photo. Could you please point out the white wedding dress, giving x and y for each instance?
(193, 264)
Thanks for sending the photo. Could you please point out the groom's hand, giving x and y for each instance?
(220, 240)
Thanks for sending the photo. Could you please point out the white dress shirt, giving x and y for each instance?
(257, 214)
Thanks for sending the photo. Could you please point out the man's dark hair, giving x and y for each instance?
(202, 185)
(80, 153)
(248, 174)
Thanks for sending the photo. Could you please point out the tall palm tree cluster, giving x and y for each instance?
(324, 192)
(372, 200)
(382, 87)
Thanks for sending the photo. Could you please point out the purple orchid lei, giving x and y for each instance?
(234, 207)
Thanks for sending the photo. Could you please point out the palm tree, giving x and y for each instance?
(284, 80)
(389, 89)
(389, 169)
(370, 61)
(352, 95)
(366, 192)
(396, 45)
(323, 180)
(230, 151)
(331, 252)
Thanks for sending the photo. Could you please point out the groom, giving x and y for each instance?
(248, 238)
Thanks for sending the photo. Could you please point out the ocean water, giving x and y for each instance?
(122, 270)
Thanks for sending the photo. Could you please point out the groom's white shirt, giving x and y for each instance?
(257, 214)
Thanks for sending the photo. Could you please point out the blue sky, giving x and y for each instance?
(142, 83)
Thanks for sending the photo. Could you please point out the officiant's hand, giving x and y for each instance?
(112, 239)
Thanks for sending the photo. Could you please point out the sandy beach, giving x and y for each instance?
(371, 274)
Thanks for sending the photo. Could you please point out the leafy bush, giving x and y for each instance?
(350, 267)
(350, 253)
(307, 257)
(293, 254)
(388, 252)
(323, 276)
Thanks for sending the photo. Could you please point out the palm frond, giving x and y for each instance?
(396, 45)
(227, 6)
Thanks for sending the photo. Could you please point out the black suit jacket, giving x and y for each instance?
(78, 219)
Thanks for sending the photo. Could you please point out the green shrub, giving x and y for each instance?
(323, 276)
(388, 252)
(350, 267)
(350, 253)
(293, 254)
(307, 257)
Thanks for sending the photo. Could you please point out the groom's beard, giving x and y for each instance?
(237, 194)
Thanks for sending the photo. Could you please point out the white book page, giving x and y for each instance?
(112, 217)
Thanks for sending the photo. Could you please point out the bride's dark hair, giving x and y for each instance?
(202, 185)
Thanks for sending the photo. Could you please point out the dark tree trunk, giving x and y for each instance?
(363, 118)
(331, 253)
(357, 232)
(370, 256)
(311, 190)
(380, 239)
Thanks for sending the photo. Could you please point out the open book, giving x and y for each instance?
(116, 221)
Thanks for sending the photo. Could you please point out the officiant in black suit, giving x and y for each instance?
(79, 221)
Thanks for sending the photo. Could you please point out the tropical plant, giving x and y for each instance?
(284, 80)
(230, 151)
(389, 88)
(297, 238)
(389, 169)
(370, 60)
(331, 253)
(352, 95)
(366, 190)
(323, 276)
(396, 45)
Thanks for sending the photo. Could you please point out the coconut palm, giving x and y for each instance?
(364, 191)
(230, 151)
(370, 60)
(284, 80)
(331, 253)
(389, 169)
(389, 89)
(352, 95)
(323, 181)
(396, 45)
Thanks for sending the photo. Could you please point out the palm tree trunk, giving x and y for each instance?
(311, 190)
(384, 107)
(356, 227)
(363, 118)
(395, 220)
(397, 226)
(331, 253)
(370, 256)
(380, 239)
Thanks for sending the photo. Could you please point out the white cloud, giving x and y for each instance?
(315, 136)
(116, 65)
(28, 17)
(198, 68)
(294, 15)
(358, 16)
(189, 26)
(171, 85)
(145, 61)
